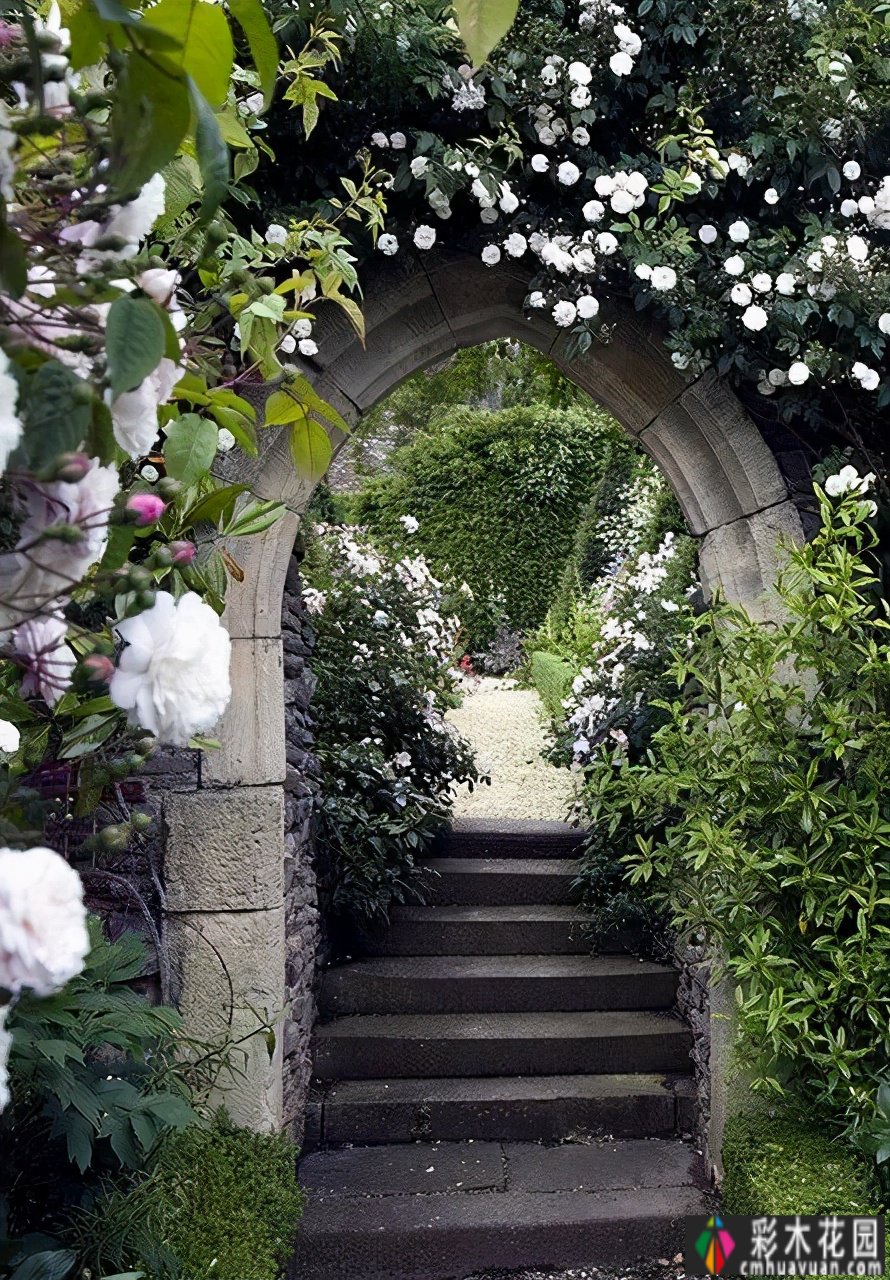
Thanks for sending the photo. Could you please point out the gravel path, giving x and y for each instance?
(504, 725)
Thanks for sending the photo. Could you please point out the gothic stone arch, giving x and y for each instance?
(224, 860)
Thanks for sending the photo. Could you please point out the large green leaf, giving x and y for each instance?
(483, 24)
(281, 408)
(206, 51)
(57, 413)
(256, 517)
(213, 155)
(190, 447)
(310, 448)
(52, 1264)
(250, 16)
(151, 116)
(135, 341)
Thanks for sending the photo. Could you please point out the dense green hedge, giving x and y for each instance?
(552, 677)
(498, 496)
(782, 1165)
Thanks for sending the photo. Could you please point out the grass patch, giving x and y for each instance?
(552, 677)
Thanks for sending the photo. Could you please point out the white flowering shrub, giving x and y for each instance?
(386, 639)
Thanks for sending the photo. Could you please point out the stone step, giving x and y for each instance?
(496, 984)
(508, 838)
(361, 1047)
(483, 931)
(515, 1109)
(493, 882)
(440, 1212)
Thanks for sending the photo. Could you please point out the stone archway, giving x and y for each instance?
(226, 897)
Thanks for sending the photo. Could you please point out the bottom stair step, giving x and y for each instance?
(511, 1108)
(442, 1211)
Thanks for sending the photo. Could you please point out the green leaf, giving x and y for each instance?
(213, 505)
(252, 20)
(281, 408)
(256, 517)
(213, 156)
(205, 50)
(135, 341)
(310, 448)
(304, 389)
(190, 447)
(483, 23)
(13, 264)
(57, 414)
(51, 1264)
(151, 116)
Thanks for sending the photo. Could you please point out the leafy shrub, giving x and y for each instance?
(220, 1203)
(787, 1165)
(768, 818)
(552, 677)
(385, 641)
(497, 496)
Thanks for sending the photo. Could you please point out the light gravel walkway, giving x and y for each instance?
(505, 728)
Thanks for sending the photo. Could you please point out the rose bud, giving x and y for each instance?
(146, 508)
(98, 668)
(183, 552)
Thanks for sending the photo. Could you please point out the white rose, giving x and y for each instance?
(276, 233)
(707, 233)
(851, 170)
(604, 184)
(643, 271)
(741, 295)
(866, 205)
(593, 211)
(622, 201)
(798, 373)
(762, 282)
(884, 322)
(515, 245)
(606, 243)
(43, 931)
(398, 141)
(857, 248)
(565, 313)
(568, 173)
(540, 163)
(754, 318)
(546, 135)
(424, 237)
(588, 306)
(491, 255)
(419, 166)
(172, 678)
(580, 97)
(508, 201)
(581, 136)
(739, 232)
(9, 737)
(41, 647)
(388, 244)
(785, 283)
(134, 414)
(621, 64)
(663, 278)
(849, 208)
(735, 265)
(771, 195)
(537, 299)
(580, 73)
(225, 441)
(379, 139)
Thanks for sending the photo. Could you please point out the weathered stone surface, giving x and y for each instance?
(741, 559)
(225, 850)
(227, 976)
(713, 456)
(406, 1170)
(251, 741)
(576, 1166)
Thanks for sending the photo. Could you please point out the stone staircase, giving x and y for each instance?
(461, 1049)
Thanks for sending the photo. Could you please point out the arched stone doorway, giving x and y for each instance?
(226, 897)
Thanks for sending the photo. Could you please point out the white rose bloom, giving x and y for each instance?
(604, 184)
(308, 347)
(303, 328)
(43, 922)
(622, 201)
(276, 233)
(288, 344)
(606, 243)
(785, 283)
(621, 64)
(798, 373)
(540, 163)
(707, 234)
(515, 245)
(643, 271)
(735, 265)
(9, 737)
(508, 200)
(388, 244)
(636, 183)
(160, 285)
(594, 210)
(829, 245)
(150, 473)
(379, 139)
(762, 282)
(778, 377)
(849, 208)
(48, 662)
(884, 322)
(857, 248)
(225, 441)
(10, 422)
(741, 295)
(629, 41)
(424, 237)
(565, 313)
(739, 232)
(580, 73)
(491, 255)
(754, 318)
(588, 306)
(580, 97)
(133, 221)
(852, 170)
(172, 678)
(568, 173)
(419, 166)
(848, 480)
(581, 136)
(409, 523)
(537, 299)
(866, 205)
(546, 135)
(869, 379)
(252, 105)
(134, 415)
(771, 195)
(663, 278)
